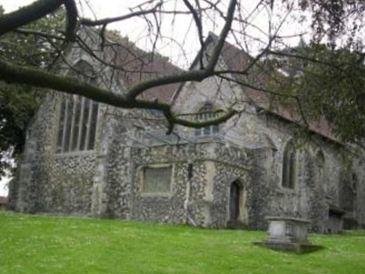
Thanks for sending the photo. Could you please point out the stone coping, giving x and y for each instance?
(292, 219)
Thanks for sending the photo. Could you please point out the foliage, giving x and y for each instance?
(328, 83)
(32, 50)
(19, 102)
(336, 90)
(326, 79)
(43, 244)
(336, 21)
(16, 109)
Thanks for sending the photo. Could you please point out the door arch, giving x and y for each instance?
(234, 202)
(237, 205)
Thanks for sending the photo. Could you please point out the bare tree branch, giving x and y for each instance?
(199, 26)
(27, 14)
(194, 75)
(105, 21)
(71, 23)
(17, 74)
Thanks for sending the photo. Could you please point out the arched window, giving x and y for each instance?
(289, 166)
(207, 113)
(78, 117)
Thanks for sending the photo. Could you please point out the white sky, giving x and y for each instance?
(3, 186)
(176, 28)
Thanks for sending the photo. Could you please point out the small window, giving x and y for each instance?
(157, 179)
(289, 166)
(206, 113)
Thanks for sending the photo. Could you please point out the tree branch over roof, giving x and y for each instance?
(193, 75)
(14, 74)
(144, 73)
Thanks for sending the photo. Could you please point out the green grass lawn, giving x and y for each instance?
(43, 244)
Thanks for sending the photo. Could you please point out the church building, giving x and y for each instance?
(86, 158)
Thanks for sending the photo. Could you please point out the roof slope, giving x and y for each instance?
(139, 65)
(236, 60)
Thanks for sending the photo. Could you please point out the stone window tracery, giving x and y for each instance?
(289, 166)
(206, 113)
(77, 118)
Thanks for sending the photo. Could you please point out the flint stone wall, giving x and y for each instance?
(50, 182)
(201, 199)
(318, 186)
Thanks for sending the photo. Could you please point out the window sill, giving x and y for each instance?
(156, 194)
(74, 153)
(286, 190)
(207, 138)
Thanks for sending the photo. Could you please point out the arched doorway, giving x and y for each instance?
(234, 202)
(237, 217)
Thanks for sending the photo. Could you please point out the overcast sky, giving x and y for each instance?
(184, 51)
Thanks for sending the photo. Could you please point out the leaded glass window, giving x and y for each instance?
(78, 118)
(77, 124)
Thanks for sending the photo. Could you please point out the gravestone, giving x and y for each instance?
(288, 234)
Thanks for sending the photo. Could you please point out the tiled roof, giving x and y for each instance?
(139, 66)
(237, 59)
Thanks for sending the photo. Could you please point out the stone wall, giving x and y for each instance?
(48, 181)
(72, 182)
(199, 187)
(319, 182)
